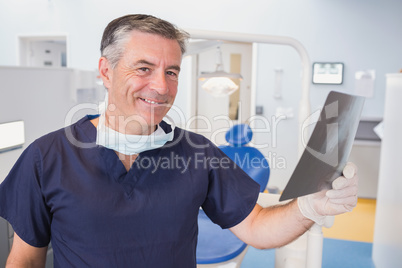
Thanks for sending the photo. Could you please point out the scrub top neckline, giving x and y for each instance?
(114, 167)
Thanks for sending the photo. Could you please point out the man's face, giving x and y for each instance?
(143, 85)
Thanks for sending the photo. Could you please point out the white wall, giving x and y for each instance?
(361, 34)
(40, 97)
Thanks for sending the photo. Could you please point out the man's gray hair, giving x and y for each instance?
(117, 33)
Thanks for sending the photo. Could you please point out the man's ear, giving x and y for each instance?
(105, 72)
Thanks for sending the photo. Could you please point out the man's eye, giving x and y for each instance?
(170, 73)
(143, 69)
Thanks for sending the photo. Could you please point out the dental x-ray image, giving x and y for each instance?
(328, 148)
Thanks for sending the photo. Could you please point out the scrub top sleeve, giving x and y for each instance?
(232, 194)
(22, 203)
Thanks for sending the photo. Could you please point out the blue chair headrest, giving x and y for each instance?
(239, 135)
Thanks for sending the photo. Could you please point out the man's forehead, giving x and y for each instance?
(145, 48)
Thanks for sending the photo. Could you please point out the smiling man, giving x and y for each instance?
(129, 201)
(142, 84)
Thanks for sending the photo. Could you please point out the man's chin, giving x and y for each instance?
(152, 122)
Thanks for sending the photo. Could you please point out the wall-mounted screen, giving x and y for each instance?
(328, 73)
(12, 135)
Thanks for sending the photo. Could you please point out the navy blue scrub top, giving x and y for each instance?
(67, 190)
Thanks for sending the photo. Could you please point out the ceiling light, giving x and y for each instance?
(219, 83)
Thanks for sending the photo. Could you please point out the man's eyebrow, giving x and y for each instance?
(144, 62)
(174, 67)
(139, 62)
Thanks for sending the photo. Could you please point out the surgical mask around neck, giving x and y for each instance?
(131, 144)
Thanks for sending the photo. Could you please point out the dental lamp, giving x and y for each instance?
(219, 83)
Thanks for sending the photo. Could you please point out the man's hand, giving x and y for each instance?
(342, 198)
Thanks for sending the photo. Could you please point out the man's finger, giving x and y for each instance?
(345, 192)
(351, 201)
(342, 182)
(349, 170)
(335, 209)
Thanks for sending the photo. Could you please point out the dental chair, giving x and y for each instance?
(220, 248)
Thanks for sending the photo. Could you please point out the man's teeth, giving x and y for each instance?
(149, 101)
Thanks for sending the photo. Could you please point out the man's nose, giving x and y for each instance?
(159, 83)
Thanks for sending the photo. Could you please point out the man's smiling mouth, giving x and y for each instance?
(151, 101)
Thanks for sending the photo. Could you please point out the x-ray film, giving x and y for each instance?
(328, 148)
